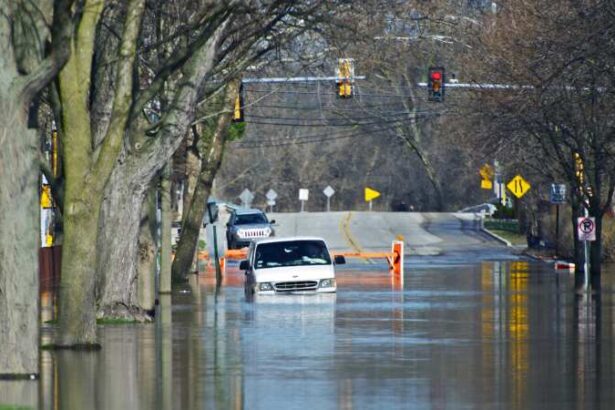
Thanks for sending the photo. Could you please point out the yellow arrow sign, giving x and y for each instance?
(518, 186)
(371, 194)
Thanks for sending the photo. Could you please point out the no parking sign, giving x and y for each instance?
(586, 228)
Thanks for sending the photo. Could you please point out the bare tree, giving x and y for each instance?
(34, 39)
(560, 61)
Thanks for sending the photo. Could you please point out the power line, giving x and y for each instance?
(356, 124)
(319, 107)
(300, 142)
(358, 94)
(310, 139)
(382, 117)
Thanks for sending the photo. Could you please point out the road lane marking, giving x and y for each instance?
(350, 239)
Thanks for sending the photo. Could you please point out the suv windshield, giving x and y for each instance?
(293, 253)
(250, 219)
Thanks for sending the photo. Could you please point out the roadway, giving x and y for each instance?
(424, 234)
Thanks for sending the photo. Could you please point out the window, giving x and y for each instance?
(292, 253)
(250, 219)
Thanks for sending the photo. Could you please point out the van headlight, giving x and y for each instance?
(327, 283)
(264, 286)
(267, 231)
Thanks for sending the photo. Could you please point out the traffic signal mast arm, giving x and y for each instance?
(297, 79)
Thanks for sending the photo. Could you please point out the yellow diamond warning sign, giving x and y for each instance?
(518, 186)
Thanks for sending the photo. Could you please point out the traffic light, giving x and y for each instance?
(435, 85)
(238, 109)
(345, 77)
(579, 172)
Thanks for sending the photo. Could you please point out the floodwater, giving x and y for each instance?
(511, 334)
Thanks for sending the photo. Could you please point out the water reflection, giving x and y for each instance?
(491, 335)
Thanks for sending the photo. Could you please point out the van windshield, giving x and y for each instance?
(291, 253)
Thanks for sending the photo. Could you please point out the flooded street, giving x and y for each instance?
(489, 335)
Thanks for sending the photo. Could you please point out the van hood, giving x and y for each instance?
(294, 273)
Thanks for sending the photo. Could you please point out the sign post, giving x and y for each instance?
(212, 212)
(586, 231)
(558, 197)
(328, 191)
(271, 197)
(246, 198)
(303, 196)
(370, 195)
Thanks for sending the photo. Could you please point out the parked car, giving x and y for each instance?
(245, 225)
(290, 265)
(486, 208)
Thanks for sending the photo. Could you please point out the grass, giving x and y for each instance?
(14, 407)
(512, 237)
(115, 321)
(510, 225)
(109, 321)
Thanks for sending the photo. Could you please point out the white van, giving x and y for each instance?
(290, 265)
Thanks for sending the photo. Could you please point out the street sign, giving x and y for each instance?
(486, 173)
(518, 186)
(586, 228)
(328, 191)
(558, 194)
(304, 194)
(271, 195)
(371, 194)
(246, 198)
(271, 202)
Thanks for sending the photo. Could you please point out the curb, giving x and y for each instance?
(497, 237)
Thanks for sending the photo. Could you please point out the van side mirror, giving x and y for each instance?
(339, 260)
(272, 222)
(244, 265)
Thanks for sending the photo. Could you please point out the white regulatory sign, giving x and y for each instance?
(271, 195)
(586, 228)
(304, 194)
(246, 198)
(328, 191)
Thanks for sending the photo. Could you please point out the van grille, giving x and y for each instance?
(302, 285)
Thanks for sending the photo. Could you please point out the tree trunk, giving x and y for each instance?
(19, 244)
(193, 217)
(165, 231)
(119, 245)
(76, 312)
(146, 271)
(128, 183)
(87, 170)
(193, 167)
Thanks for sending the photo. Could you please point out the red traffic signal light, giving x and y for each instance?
(435, 87)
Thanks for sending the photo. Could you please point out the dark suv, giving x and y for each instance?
(246, 225)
